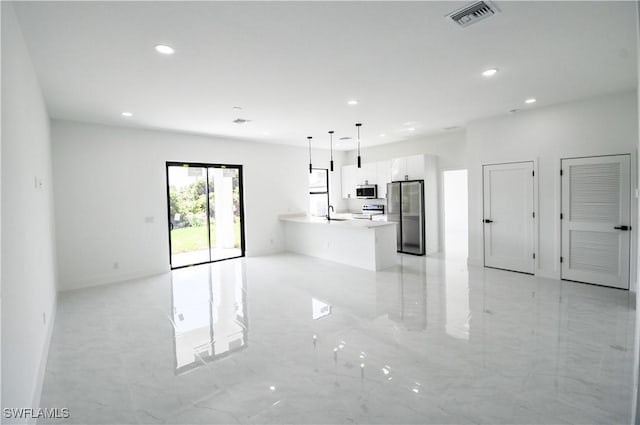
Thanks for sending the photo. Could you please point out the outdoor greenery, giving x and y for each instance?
(194, 238)
(188, 206)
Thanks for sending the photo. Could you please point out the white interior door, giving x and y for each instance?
(509, 216)
(596, 226)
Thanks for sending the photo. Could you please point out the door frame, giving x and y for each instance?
(441, 212)
(633, 217)
(536, 210)
(241, 207)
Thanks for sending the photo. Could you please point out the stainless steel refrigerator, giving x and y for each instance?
(405, 206)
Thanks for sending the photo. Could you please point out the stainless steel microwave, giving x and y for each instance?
(367, 191)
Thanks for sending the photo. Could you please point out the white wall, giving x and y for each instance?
(109, 179)
(596, 126)
(449, 147)
(28, 249)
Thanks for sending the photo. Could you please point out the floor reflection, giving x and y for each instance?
(319, 309)
(429, 340)
(209, 313)
(401, 293)
(456, 286)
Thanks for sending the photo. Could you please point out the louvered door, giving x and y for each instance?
(596, 226)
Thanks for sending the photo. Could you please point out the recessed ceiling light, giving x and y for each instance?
(164, 49)
(382, 135)
(127, 114)
(411, 129)
(490, 72)
(530, 100)
(266, 133)
(352, 102)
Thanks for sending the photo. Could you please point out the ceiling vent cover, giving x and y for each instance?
(240, 121)
(473, 13)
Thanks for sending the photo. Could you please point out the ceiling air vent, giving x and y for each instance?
(240, 121)
(473, 13)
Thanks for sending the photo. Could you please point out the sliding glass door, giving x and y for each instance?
(206, 221)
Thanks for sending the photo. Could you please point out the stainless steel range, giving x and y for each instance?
(370, 210)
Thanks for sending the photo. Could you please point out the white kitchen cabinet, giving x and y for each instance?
(367, 174)
(380, 173)
(359, 175)
(398, 169)
(415, 167)
(383, 172)
(349, 182)
(407, 168)
(370, 173)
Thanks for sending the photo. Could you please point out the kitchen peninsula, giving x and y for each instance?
(366, 244)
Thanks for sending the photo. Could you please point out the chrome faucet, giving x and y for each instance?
(329, 212)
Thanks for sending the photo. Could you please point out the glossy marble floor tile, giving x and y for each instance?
(291, 339)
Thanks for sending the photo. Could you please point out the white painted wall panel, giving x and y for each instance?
(28, 247)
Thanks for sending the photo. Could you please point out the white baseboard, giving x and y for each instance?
(475, 262)
(548, 274)
(111, 278)
(44, 356)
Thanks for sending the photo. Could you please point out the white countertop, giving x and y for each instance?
(348, 223)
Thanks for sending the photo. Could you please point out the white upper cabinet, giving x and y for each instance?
(367, 174)
(407, 168)
(349, 181)
(370, 173)
(383, 169)
(415, 167)
(398, 169)
(381, 173)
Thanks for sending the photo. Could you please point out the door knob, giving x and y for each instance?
(488, 221)
(622, 227)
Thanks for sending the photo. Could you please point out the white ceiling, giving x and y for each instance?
(292, 66)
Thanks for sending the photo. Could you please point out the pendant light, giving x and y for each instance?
(358, 125)
(310, 166)
(331, 148)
